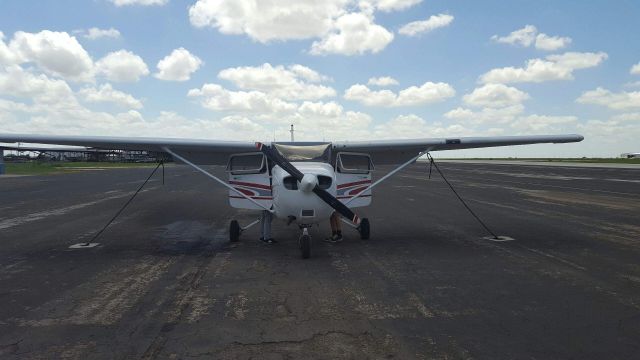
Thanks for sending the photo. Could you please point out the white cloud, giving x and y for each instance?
(495, 95)
(487, 115)
(107, 94)
(413, 126)
(56, 53)
(308, 74)
(291, 83)
(342, 26)
(122, 66)
(551, 43)
(635, 69)
(382, 81)
(139, 2)
(96, 33)
(553, 67)
(178, 66)
(427, 93)
(616, 101)
(39, 89)
(523, 37)
(529, 35)
(394, 5)
(419, 27)
(539, 124)
(7, 57)
(215, 97)
(354, 34)
(265, 21)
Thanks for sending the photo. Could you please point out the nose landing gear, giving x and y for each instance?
(305, 243)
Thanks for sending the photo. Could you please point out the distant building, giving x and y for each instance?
(635, 155)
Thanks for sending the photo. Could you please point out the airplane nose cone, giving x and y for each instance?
(309, 181)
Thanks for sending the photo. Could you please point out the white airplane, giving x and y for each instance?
(298, 182)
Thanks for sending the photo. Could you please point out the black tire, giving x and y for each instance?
(234, 231)
(305, 246)
(364, 229)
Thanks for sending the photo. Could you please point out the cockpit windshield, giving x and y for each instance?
(319, 152)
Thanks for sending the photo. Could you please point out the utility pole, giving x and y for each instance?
(291, 131)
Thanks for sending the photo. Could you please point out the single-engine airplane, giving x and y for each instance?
(298, 182)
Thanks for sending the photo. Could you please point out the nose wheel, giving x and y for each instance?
(305, 244)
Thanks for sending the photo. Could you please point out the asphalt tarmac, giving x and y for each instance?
(165, 283)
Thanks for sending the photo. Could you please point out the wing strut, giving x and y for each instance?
(206, 173)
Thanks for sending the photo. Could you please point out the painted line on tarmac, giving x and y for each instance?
(9, 223)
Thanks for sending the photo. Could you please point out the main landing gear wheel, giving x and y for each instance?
(364, 229)
(234, 231)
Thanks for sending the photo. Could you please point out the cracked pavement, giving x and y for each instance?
(166, 284)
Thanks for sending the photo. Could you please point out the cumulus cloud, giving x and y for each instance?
(178, 66)
(107, 94)
(529, 35)
(394, 5)
(617, 101)
(553, 67)
(539, 124)
(139, 2)
(96, 33)
(427, 93)
(122, 66)
(340, 26)
(486, 115)
(424, 26)
(40, 89)
(265, 21)
(412, 126)
(7, 57)
(295, 82)
(635, 69)
(56, 53)
(355, 34)
(215, 97)
(382, 81)
(495, 95)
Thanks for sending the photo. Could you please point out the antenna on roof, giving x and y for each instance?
(291, 131)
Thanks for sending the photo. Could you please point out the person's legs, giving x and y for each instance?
(265, 226)
(337, 227)
(336, 230)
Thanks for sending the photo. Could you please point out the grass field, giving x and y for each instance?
(573, 160)
(46, 168)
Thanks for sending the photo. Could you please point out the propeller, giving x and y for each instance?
(273, 155)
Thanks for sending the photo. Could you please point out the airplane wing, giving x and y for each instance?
(216, 152)
(399, 151)
(209, 152)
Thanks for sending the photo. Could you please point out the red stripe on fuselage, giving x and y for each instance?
(242, 183)
(341, 186)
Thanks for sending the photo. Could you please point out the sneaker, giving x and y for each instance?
(331, 239)
(337, 238)
(268, 241)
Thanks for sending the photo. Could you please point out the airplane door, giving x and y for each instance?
(249, 173)
(353, 175)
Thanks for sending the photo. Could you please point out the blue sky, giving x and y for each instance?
(467, 66)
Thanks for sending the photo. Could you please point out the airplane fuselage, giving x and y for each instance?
(293, 199)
